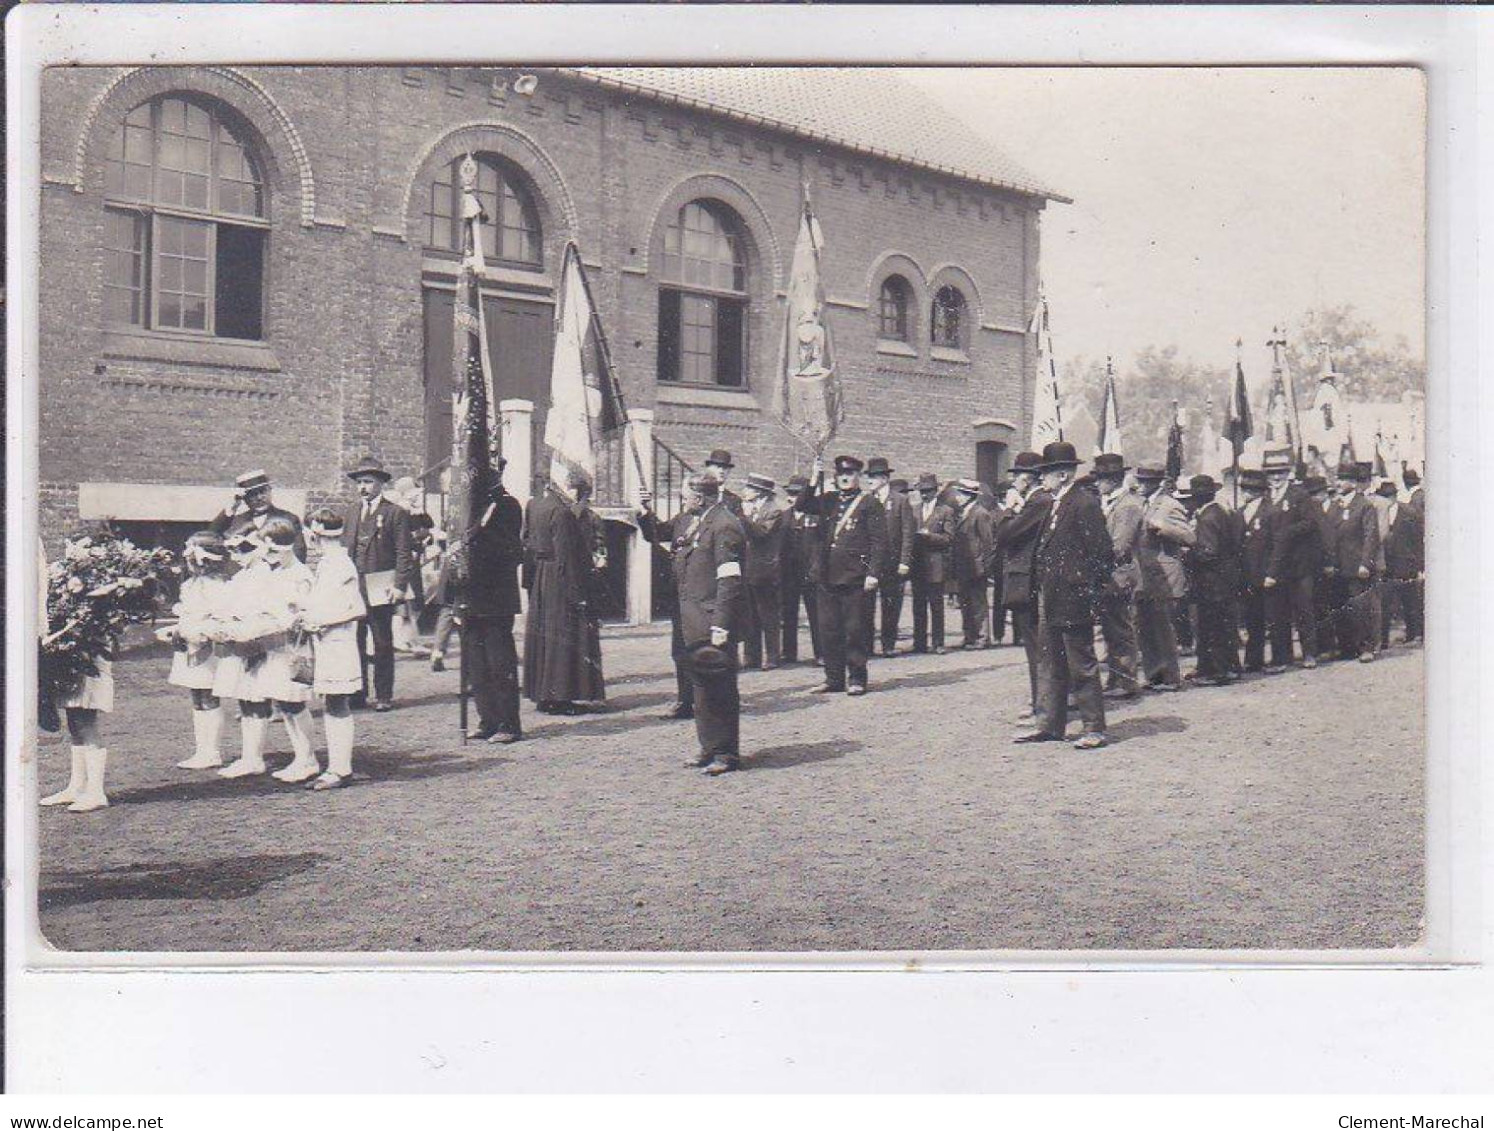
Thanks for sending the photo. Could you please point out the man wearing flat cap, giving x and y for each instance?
(800, 579)
(1027, 511)
(376, 532)
(933, 539)
(765, 523)
(970, 561)
(252, 507)
(1356, 556)
(852, 556)
(901, 526)
(1073, 566)
(1118, 606)
(1214, 580)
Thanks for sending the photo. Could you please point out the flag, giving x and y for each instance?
(1109, 437)
(473, 408)
(807, 396)
(1047, 418)
(1379, 465)
(1346, 452)
(1238, 426)
(585, 407)
(1174, 466)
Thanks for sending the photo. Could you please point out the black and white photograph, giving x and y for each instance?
(718, 510)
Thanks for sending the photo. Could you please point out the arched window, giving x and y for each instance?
(510, 228)
(184, 230)
(703, 299)
(948, 329)
(894, 304)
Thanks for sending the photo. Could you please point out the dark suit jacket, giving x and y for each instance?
(1405, 550)
(1214, 561)
(708, 577)
(1357, 537)
(902, 525)
(1018, 542)
(932, 543)
(848, 554)
(1292, 529)
(232, 521)
(1327, 519)
(382, 543)
(974, 543)
(1074, 561)
(766, 535)
(1255, 549)
(494, 554)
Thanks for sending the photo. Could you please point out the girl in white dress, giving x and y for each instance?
(330, 617)
(193, 664)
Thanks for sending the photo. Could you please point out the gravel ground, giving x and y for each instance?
(1286, 811)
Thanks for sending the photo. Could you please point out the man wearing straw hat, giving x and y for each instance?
(377, 535)
(252, 507)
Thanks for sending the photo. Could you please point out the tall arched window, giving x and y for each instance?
(184, 230)
(510, 228)
(703, 300)
(948, 326)
(893, 306)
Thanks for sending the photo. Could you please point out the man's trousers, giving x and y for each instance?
(843, 636)
(1155, 619)
(889, 598)
(794, 590)
(974, 610)
(718, 709)
(1218, 640)
(1118, 628)
(928, 610)
(1067, 665)
(378, 623)
(1358, 625)
(1025, 627)
(764, 625)
(1289, 603)
(684, 688)
(493, 670)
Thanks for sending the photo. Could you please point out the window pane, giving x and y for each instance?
(698, 347)
(239, 295)
(124, 257)
(702, 249)
(669, 336)
(171, 310)
(948, 321)
(194, 312)
(182, 272)
(730, 351)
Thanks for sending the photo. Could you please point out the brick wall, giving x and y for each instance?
(350, 154)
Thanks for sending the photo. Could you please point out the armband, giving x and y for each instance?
(729, 569)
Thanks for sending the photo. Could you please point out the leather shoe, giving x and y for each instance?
(1166, 686)
(825, 689)
(477, 734)
(699, 763)
(856, 689)
(1310, 662)
(716, 768)
(504, 737)
(438, 663)
(328, 780)
(1038, 736)
(1090, 740)
(1119, 693)
(679, 711)
(383, 705)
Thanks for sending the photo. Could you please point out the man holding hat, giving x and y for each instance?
(1073, 567)
(708, 577)
(933, 538)
(377, 535)
(765, 523)
(901, 526)
(1118, 605)
(1165, 533)
(1255, 556)
(669, 535)
(1290, 573)
(1027, 511)
(1214, 579)
(1356, 557)
(252, 507)
(852, 556)
(800, 560)
(974, 551)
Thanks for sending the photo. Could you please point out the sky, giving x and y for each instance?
(1212, 204)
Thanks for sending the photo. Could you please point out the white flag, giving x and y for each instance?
(1109, 437)
(584, 407)
(1047, 418)
(807, 392)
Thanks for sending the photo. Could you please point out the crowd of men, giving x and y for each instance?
(1150, 568)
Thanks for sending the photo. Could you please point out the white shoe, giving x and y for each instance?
(201, 761)
(69, 793)
(95, 760)
(298, 771)
(242, 768)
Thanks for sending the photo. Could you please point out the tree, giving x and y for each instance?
(1368, 370)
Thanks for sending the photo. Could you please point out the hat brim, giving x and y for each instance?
(1058, 463)
(360, 472)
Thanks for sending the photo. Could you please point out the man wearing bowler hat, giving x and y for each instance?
(718, 466)
(1292, 570)
(800, 564)
(1165, 534)
(252, 507)
(488, 598)
(853, 555)
(1027, 509)
(901, 526)
(1356, 555)
(1214, 580)
(377, 535)
(765, 523)
(933, 538)
(1118, 607)
(708, 576)
(1073, 566)
(974, 551)
(1255, 557)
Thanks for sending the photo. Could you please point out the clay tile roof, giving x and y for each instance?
(868, 110)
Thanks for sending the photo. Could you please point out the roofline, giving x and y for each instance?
(658, 95)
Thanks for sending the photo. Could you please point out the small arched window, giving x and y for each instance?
(703, 297)
(510, 228)
(948, 326)
(184, 229)
(894, 305)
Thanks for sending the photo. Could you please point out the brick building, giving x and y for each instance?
(253, 267)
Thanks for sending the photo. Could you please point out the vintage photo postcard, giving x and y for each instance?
(693, 510)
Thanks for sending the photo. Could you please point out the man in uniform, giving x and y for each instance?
(1322, 558)
(974, 550)
(800, 559)
(853, 554)
(708, 576)
(1122, 511)
(1255, 559)
(901, 525)
(377, 535)
(1165, 535)
(765, 523)
(932, 540)
(1356, 555)
(252, 507)
(668, 535)
(1214, 581)
(1027, 509)
(489, 601)
(1072, 568)
(1291, 528)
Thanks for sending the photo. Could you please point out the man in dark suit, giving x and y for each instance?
(1290, 573)
(377, 535)
(852, 556)
(1027, 512)
(1165, 536)
(1073, 565)
(708, 576)
(1321, 558)
(668, 535)
(718, 466)
(1415, 494)
(932, 539)
(1405, 567)
(1356, 559)
(765, 523)
(901, 525)
(970, 562)
(1214, 581)
(800, 558)
(1122, 509)
(252, 507)
(1255, 560)
(488, 600)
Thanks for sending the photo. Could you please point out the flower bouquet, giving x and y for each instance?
(102, 584)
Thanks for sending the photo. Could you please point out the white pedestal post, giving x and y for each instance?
(516, 418)
(640, 551)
